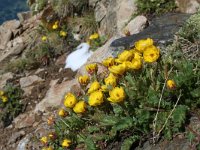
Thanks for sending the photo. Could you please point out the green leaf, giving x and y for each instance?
(196, 92)
(90, 145)
(126, 145)
(124, 123)
(179, 115)
(109, 120)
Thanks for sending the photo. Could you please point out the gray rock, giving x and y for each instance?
(23, 143)
(136, 25)
(4, 78)
(12, 24)
(113, 15)
(5, 37)
(12, 51)
(160, 30)
(29, 81)
(55, 94)
(24, 16)
(16, 136)
(179, 144)
(24, 120)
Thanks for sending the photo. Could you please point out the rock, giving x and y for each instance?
(61, 60)
(24, 16)
(5, 37)
(29, 81)
(188, 6)
(12, 24)
(112, 15)
(24, 120)
(54, 95)
(4, 78)
(160, 30)
(12, 51)
(22, 144)
(126, 9)
(181, 144)
(17, 41)
(93, 3)
(16, 136)
(136, 25)
(97, 57)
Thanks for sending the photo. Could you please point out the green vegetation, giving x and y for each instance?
(10, 103)
(155, 6)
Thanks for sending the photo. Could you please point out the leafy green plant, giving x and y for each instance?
(147, 97)
(10, 103)
(155, 6)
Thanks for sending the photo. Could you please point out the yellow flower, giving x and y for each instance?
(55, 26)
(63, 33)
(104, 88)
(136, 54)
(91, 68)
(94, 36)
(151, 54)
(111, 80)
(66, 143)
(1, 93)
(50, 120)
(80, 107)
(70, 100)
(171, 84)
(47, 148)
(94, 87)
(83, 79)
(62, 112)
(141, 45)
(95, 98)
(44, 140)
(117, 95)
(4, 99)
(108, 62)
(44, 38)
(124, 56)
(118, 69)
(134, 64)
(52, 136)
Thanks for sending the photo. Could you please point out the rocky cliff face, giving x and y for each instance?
(44, 86)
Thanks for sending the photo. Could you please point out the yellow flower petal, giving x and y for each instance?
(80, 107)
(118, 70)
(96, 98)
(117, 95)
(70, 100)
(66, 143)
(151, 54)
(141, 45)
(94, 87)
(171, 84)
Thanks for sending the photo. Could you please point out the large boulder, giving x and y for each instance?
(160, 30)
(113, 15)
(5, 37)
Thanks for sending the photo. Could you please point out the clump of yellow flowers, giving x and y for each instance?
(97, 93)
(128, 60)
(3, 97)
